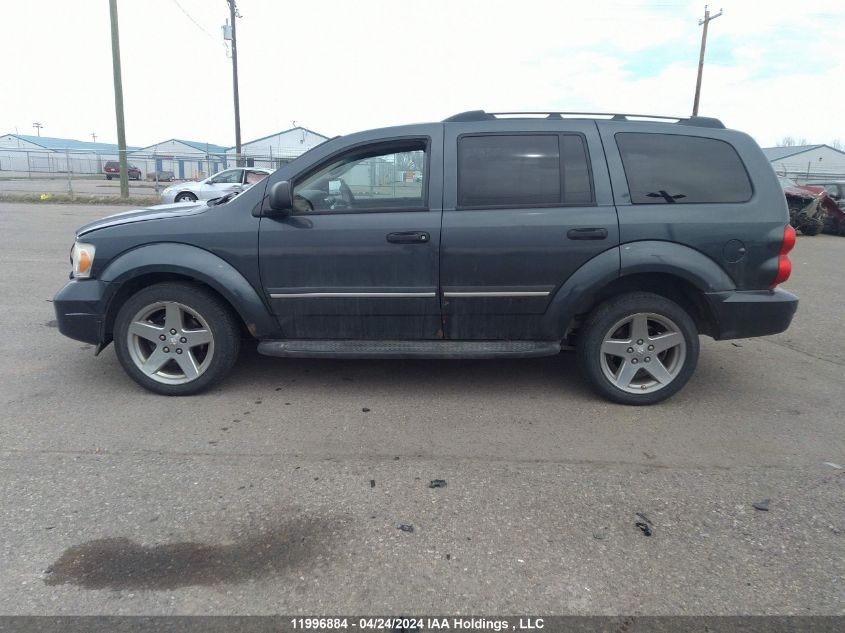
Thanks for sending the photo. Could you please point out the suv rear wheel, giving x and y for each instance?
(638, 348)
(176, 339)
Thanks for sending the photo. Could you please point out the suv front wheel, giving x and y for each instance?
(638, 348)
(176, 339)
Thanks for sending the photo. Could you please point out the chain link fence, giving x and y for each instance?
(75, 171)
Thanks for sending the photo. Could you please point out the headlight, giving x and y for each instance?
(82, 258)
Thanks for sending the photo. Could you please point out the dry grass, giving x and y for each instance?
(66, 198)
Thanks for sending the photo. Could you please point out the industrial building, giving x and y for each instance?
(803, 163)
(27, 154)
(277, 149)
(185, 160)
(23, 154)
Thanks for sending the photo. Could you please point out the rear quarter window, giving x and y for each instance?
(677, 169)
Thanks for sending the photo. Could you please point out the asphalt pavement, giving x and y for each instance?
(281, 491)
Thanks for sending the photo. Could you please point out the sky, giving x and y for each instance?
(773, 68)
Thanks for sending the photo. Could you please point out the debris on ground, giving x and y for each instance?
(644, 524)
(372, 483)
(437, 483)
(644, 527)
(600, 535)
(832, 465)
(448, 557)
(365, 410)
(763, 505)
(406, 527)
(735, 344)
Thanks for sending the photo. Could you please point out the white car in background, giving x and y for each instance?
(221, 183)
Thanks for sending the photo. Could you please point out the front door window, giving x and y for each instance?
(368, 179)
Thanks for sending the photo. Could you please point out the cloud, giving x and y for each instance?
(338, 66)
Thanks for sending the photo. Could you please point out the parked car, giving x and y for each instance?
(162, 175)
(219, 184)
(623, 238)
(112, 169)
(834, 221)
(806, 206)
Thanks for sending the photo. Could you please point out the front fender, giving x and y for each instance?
(201, 265)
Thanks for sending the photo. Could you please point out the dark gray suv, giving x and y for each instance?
(482, 236)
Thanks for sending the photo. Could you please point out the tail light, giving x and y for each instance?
(784, 265)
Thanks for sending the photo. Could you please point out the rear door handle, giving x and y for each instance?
(409, 237)
(587, 234)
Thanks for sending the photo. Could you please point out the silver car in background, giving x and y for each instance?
(221, 183)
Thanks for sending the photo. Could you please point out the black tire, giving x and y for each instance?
(606, 316)
(108, 177)
(185, 196)
(811, 228)
(220, 321)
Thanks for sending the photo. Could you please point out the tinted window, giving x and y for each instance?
(576, 171)
(508, 170)
(663, 168)
(523, 170)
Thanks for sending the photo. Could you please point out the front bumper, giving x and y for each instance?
(168, 197)
(743, 314)
(81, 310)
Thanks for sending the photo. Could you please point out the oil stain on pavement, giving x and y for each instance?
(122, 564)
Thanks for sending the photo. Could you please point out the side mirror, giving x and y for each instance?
(281, 199)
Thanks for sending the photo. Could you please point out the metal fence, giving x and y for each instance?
(55, 171)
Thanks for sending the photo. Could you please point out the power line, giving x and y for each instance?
(197, 24)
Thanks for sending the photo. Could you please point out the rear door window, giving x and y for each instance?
(677, 169)
(513, 170)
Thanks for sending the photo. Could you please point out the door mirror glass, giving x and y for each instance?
(280, 198)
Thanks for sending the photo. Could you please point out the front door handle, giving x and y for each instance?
(409, 237)
(587, 234)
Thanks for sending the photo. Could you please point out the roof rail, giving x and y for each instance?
(481, 115)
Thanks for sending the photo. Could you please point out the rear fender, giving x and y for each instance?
(579, 293)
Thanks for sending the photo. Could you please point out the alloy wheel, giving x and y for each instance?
(643, 353)
(170, 342)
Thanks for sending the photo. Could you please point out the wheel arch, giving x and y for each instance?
(155, 263)
(675, 271)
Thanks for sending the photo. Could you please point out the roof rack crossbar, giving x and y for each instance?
(481, 115)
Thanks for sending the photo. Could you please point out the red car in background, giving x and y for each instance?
(112, 168)
(811, 209)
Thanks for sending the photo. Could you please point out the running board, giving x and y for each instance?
(311, 348)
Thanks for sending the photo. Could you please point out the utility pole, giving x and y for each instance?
(38, 127)
(233, 14)
(705, 22)
(118, 100)
(94, 136)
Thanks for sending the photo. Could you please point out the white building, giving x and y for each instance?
(275, 150)
(186, 160)
(804, 163)
(24, 153)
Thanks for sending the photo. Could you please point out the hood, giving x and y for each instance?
(800, 192)
(157, 212)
